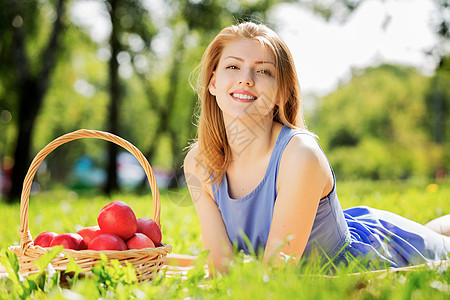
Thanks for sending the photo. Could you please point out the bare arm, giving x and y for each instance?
(214, 235)
(303, 176)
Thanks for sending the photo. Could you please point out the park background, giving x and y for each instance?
(375, 80)
(127, 67)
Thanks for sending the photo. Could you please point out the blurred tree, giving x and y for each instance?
(369, 125)
(438, 109)
(77, 98)
(115, 93)
(26, 71)
(438, 96)
(127, 17)
(438, 101)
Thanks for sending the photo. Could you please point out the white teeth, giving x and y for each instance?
(242, 96)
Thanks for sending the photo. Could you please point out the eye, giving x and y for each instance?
(265, 72)
(232, 67)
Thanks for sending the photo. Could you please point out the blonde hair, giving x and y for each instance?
(214, 151)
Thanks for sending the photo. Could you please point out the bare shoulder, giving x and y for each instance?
(191, 159)
(303, 148)
(195, 170)
(303, 155)
(193, 163)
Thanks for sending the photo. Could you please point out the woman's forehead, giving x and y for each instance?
(248, 50)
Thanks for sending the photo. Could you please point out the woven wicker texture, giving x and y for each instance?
(146, 261)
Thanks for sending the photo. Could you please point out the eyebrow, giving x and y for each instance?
(256, 62)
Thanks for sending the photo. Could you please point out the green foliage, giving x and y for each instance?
(111, 277)
(74, 269)
(373, 126)
(37, 284)
(437, 121)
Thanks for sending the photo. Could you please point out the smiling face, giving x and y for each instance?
(244, 81)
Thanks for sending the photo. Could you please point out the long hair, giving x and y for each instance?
(214, 151)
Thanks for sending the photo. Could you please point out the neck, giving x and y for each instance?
(248, 140)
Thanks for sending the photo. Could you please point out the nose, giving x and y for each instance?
(246, 78)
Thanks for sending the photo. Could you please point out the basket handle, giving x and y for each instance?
(25, 235)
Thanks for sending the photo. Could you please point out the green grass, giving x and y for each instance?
(65, 211)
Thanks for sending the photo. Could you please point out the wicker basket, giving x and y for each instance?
(146, 261)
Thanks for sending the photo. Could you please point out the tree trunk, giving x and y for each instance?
(115, 92)
(177, 160)
(32, 90)
(30, 102)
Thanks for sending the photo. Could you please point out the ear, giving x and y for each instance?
(212, 84)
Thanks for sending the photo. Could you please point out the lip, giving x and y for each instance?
(244, 93)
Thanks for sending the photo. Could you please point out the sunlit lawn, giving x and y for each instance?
(61, 210)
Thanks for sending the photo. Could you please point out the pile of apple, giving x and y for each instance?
(117, 229)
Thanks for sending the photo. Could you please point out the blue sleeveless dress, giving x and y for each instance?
(337, 235)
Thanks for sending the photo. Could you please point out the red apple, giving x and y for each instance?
(69, 241)
(151, 229)
(107, 241)
(117, 218)
(45, 238)
(89, 233)
(139, 241)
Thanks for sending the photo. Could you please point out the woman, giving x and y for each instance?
(266, 184)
